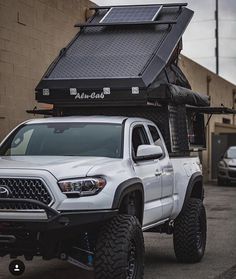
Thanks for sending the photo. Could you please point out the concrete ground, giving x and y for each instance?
(219, 261)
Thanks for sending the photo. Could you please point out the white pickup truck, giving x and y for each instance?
(84, 189)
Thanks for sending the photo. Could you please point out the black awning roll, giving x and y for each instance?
(174, 94)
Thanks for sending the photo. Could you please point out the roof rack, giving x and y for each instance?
(130, 15)
(170, 5)
(212, 110)
(126, 23)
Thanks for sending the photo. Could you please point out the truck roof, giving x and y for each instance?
(88, 119)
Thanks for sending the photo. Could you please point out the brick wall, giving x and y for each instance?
(31, 34)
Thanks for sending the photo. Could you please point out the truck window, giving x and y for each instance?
(139, 137)
(20, 142)
(156, 136)
(65, 139)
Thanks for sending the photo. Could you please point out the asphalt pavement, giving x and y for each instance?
(219, 261)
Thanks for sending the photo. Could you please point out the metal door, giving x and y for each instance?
(147, 170)
(219, 146)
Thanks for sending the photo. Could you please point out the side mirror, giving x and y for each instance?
(148, 152)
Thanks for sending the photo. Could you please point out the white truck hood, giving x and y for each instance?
(60, 167)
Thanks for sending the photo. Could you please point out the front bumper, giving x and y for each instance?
(227, 173)
(46, 218)
(50, 236)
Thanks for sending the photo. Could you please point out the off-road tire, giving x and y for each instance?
(115, 253)
(190, 230)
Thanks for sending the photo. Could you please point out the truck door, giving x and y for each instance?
(166, 173)
(146, 170)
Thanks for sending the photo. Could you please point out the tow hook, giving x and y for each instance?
(16, 267)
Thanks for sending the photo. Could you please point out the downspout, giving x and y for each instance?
(208, 79)
(234, 100)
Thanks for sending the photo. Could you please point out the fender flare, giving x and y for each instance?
(195, 178)
(126, 187)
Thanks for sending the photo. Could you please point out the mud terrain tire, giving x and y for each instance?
(120, 249)
(190, 232)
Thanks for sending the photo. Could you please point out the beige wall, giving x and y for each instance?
(31, 34)
(221, 92)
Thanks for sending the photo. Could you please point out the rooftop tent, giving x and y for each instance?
(119, 56)
(124, 61)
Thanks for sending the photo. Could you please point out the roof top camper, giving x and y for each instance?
(124, 61)
(121, 55)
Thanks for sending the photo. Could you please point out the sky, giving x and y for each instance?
(199, 38)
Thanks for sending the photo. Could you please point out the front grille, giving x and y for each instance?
(24, 188)
(232, 174)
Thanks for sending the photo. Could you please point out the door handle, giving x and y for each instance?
(158, 173)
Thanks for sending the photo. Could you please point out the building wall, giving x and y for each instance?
(221, 92)
(32, 32)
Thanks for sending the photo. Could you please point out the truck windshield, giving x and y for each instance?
(65, 139)
(231, 153)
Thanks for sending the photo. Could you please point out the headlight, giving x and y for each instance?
(82, 187)
(222, 164)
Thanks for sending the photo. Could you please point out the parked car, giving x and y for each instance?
(227, 167)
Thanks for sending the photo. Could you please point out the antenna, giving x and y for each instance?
(217, 36)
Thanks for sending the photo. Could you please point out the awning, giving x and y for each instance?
(174, 94)
(212, 110)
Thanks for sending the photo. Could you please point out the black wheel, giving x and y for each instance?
(120, 249)
(190, 232)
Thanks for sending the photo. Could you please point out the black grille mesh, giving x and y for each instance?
(32, 189)
(232, 174)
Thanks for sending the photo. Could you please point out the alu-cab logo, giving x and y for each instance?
(90, 96)
(4, 192)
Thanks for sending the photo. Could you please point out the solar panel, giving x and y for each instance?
(131, 14)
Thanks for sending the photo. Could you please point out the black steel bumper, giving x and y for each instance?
(55, 220)
(49, 236)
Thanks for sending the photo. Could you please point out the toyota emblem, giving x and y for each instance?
(4, 192)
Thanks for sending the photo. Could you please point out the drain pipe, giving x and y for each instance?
(233, 106)
(208, 79)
